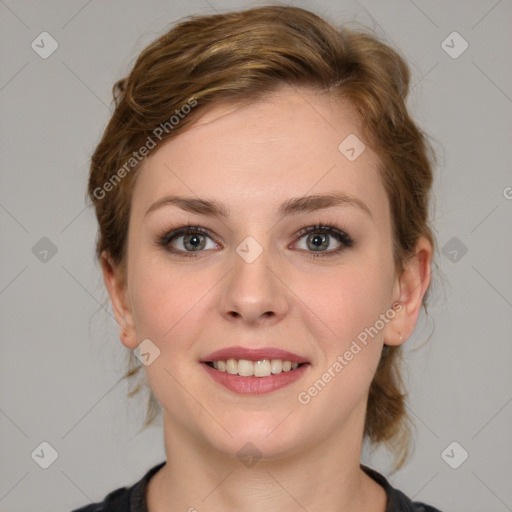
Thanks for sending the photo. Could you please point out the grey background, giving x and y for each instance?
(61, 359)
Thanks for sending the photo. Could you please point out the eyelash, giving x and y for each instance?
(341, 236)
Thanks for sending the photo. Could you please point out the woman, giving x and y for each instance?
(262, 198)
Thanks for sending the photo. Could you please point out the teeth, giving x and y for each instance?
(245, 368)
(232, 366)
(276, 365)
(262, 368)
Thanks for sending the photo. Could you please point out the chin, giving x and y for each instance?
(265, 437)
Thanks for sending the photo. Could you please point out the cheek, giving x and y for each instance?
(350, 306)
(349, 300)
(167, 301)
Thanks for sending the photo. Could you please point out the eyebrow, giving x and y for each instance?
(293, 206)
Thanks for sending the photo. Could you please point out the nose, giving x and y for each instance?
(254, 292)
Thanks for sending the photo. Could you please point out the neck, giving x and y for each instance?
(325, 476)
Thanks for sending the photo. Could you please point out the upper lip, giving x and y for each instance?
(252, 354)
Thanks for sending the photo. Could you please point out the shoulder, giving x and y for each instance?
(422, 507)
(124, 499)
(397, 500)
(116, 501)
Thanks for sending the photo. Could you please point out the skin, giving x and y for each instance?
(252, 159)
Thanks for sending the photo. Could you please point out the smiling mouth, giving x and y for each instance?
(260, 368)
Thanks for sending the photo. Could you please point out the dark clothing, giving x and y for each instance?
(132, 499)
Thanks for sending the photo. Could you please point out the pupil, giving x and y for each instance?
(194, 241)
(317, 240)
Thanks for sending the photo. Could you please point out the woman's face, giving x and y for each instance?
(256, 279)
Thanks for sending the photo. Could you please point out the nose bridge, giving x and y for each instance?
(253, 291)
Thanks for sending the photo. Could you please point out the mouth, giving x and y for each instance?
(254, 372)
(261, 368)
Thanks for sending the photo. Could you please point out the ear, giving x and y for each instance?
(410, 289)
(115, 282)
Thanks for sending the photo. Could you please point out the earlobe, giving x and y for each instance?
(115, 284)
(412, 286)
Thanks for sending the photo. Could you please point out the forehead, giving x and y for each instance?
(290, 143)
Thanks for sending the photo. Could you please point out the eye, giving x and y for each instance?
(193, 240)
(319, 237)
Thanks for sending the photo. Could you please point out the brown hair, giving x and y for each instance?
(241, 57)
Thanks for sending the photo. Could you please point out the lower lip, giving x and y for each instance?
(256, 385)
